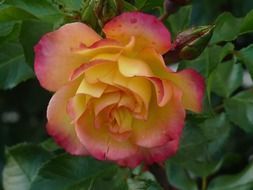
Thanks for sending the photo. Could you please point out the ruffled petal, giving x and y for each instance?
(54, 57)
(164, 90)
(192, 85)
(76, 106)
(151, 155)
(94, 89)
(96, 68)
(99, 142)
(130, 67)
(59, 123)
(163, 124)
(147, 29)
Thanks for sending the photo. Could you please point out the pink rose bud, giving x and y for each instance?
(114, 98)
(189, 44)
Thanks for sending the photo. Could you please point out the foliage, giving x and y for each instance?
(216, 147)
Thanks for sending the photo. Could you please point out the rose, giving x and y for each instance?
(115, 98)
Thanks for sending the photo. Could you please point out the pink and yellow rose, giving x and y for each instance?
(115, 99)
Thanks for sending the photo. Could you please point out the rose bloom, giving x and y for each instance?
(115, 99)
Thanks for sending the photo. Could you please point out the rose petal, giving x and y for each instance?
(76, 106)
(192, 85)
(163, 124)
(151, 155)
(147, 29)
(99, 142)
(163, 90)
(105, 101)
(54, 58)
(189, 81)
(59, 123)
(141, 87)
(154, 61)
(96, 66)
(94, 90)
(130, 67)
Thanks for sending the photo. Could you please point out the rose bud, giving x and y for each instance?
(189, 44)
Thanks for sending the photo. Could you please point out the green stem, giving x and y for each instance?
(219, 108)
(164, 16)
(204, 183)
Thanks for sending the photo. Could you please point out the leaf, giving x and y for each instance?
(140, 4)
(227, 28)
(10, 13)
(180, 20)
(43, 10)
(240, 181)
(129, 7)
(247, 24)
(13, 36)
(208, 60)
(204, 144)
(13, 68)
(240, 110)
(49, 145)
(69, 5)
(22, 165)
(178, 177)
(117, 182)
(6, 28)
(65, 171)
(88, 14)
(141, 180)
(246, 56)
(226, 78)
(31, 32)
(153, 6)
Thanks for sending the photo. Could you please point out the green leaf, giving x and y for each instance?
(49, 145)
(88, 14)
(140, 4)
(240, 181)
(208, 60)
(246, 57)
(40, 9)
(13, 67)
(6, 28)
(180, 20)
(31, 32)
(65, 171)
(10, 13)
(117, 182)
(153, 6)
(247, 24)
(13, 35)
(69, 5)
(129, 6)
(204, 143)
(178, 177)
(227, 28)
(226, 78)
(144, 181)
(240, 110)
(22, 165)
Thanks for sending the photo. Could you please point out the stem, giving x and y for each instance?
(203, 187)
(160, 175)
(163, 17)
(219, 108)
